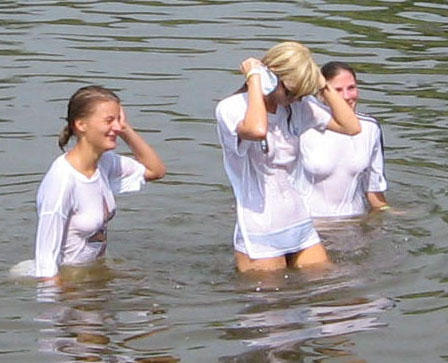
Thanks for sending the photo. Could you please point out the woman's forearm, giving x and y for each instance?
(344, 118)
(254, 126)
(144, 153)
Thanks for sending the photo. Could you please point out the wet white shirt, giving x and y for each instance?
(336, 170)
(73, 210)
(271, 217)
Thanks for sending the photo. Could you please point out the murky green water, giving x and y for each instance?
(170, 291)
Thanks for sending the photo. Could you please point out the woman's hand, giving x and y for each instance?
(344, 119)
(249, 64)
(123, 121)
(322, 81)
(144, 153)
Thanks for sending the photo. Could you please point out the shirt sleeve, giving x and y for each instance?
(50, 232)
(376, 180)
(53, 207)
(125, 174)
(229, 114)
(310, 113)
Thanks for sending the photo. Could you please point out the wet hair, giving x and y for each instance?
(82, 104)
(332, 69)
(293, 64)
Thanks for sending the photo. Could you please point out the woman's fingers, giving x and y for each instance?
(322, 81)
(123, 119)
(248, 64)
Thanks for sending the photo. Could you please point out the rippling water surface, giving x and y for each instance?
(168, 290)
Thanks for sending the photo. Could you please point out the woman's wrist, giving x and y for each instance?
(126, 133)
(253, 81)
(325, 90)
(325, 93)
(253, 72)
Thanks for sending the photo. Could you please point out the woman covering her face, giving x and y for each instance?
(259, 130)
(342, 175)
(75, 199)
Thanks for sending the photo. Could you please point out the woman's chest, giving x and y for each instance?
(94, 205)
(280, 147)
(328, 153)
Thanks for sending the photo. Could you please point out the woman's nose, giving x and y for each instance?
(116, 125)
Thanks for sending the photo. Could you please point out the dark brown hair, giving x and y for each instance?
(331, 69)
(82, 104)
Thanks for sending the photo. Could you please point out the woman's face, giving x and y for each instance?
(283, 94)
(345, 84)
(101, 128)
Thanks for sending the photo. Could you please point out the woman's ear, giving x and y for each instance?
(79, 126)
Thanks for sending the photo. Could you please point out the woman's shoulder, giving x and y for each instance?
(59, 168)
(235, 102)
(108, 157)
(368, 119)
(58, 178)
(108, 161)
(112, 163)
(230, 111)
(369, 124)
(309, 102)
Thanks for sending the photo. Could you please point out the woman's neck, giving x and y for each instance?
(271, 104)
(84, 159)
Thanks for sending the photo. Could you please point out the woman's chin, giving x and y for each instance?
(110, 146)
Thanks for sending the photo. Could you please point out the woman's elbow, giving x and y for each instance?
(354, 128)
(259, 134)
(255, 134)
(154, 174)
(161, 172)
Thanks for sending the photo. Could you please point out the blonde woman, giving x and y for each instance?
(75, 200)
(259, 130)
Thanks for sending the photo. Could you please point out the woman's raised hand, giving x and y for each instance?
(322, 81)
(248, 64)
(123, 120)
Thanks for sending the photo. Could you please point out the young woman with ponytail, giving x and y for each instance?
(75, 200)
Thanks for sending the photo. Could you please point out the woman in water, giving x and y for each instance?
(259, 130)
(75, 200)
(341, 175)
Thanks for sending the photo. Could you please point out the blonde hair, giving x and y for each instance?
(293, 64)
(82, 104)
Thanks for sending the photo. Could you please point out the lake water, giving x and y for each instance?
(169, 291)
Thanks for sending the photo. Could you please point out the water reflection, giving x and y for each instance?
(85, 320)
(286, 323)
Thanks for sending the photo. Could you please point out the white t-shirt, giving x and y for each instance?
(73, 210)
(337, 170)
(271, 216)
